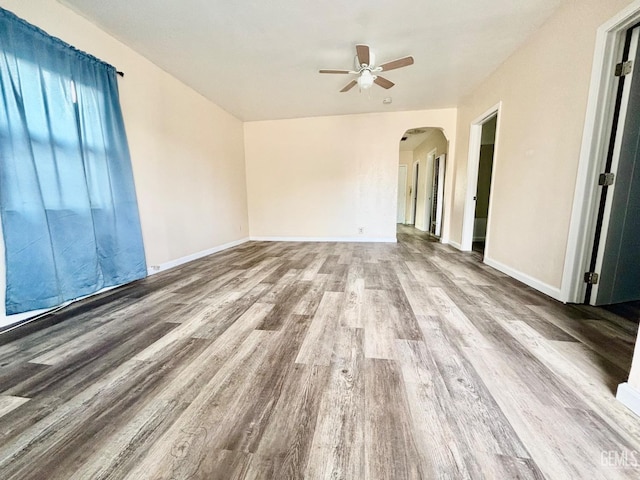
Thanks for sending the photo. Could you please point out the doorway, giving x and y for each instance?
(419, 149)
(480, 168)
(414, 192)
(614, 268)
(483, 189)
(604, 95)
(437, 195)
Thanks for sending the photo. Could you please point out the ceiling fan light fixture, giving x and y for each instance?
(365, 80)
(367, 71)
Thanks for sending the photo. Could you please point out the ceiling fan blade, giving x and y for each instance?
(383, 82)
(399, 63)
(349, 86)
(335, 71)
(363, 54)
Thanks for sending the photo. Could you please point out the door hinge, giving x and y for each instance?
(624, 68)
(591, 278)
(606, 179)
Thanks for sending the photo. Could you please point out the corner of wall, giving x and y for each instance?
(629, 397)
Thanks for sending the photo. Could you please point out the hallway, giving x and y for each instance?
(321, 361)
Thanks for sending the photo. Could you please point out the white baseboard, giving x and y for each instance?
(18, 319)
(7, 321)
(629, 397)
(553, 292)
(327, 239)
(153, 269)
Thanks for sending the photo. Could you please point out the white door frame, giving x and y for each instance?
(402, 173)
(428, 191)
(442, 168)
(595, 141)
(622, 114)
(473, 164)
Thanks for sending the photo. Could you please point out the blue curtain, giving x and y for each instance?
(67, 198)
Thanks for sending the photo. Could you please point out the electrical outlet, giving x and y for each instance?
(360, 230)
(154, 268)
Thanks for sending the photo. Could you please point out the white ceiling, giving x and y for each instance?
(259, 59)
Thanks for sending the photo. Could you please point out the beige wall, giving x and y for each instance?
(543, 88)
(438, 142)
(325, 177)
(187, 153)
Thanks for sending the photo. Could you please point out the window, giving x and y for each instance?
(67, 197)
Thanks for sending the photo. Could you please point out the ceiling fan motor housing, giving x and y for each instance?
(358, 64)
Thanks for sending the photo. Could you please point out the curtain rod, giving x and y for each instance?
(120, 73)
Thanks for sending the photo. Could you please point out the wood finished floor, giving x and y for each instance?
(321, 361)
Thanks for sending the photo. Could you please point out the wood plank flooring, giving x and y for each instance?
(321, 361)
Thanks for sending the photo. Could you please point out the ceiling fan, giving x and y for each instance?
(367, 71)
